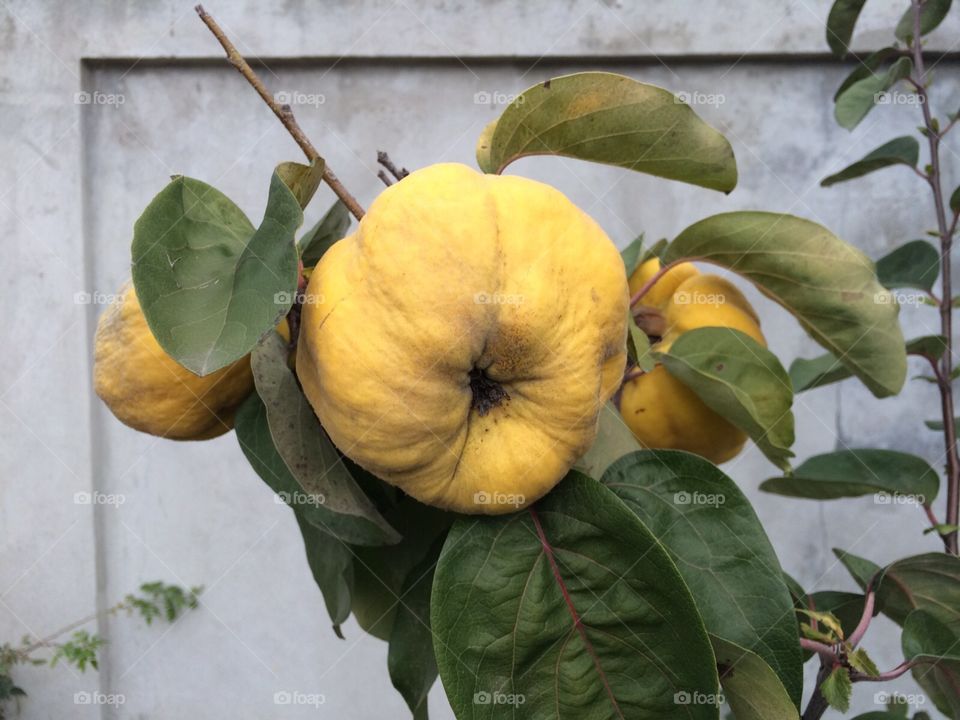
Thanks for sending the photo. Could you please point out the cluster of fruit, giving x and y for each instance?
(420, 378)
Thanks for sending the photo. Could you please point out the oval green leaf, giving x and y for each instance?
(932, 13)
(899, 151)
(807, 374)
(915, 264)
(750, 686)
(209, 284)
(611, 119)
(936, 647)
(742, 381)
(330, 560)
(331, 227)
(856, 101)
(333, 501)
(928, 582)
(840, 23)
(572, 610)
(865, 68)
(860, 569)
(720, 548)
(827, 284)
(896, 476)
(614, 440)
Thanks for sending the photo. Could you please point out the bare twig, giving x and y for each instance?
(383, 177)
(946, 231)
(283, 112)
(384, 159)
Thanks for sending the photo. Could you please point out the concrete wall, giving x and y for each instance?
(398, 75)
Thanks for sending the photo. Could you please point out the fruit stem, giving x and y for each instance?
(653, 281)
(283, 112)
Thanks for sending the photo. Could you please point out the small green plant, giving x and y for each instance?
(157, 599)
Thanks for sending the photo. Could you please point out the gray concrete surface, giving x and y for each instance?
(401, 76)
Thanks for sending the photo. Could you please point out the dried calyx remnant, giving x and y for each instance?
(487, 393)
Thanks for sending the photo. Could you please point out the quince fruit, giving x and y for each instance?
(150, 391)
(461, 343)
(659, 409)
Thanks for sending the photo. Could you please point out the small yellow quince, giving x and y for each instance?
(150, 391)
(661, 292)
(461, 343)
(661, 411)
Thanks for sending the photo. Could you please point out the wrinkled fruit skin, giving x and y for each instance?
(462, 342)
(148, 390)
(661, 411)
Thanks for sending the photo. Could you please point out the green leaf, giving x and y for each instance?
(329, 496)
(840, 23)
(631, 254)
(331, 564)
(861, 569)
(411, 661)
(638, 346)
(894, 475)
(899, 151)
(828, 620)
(614, 440)
(938, 424)
(302, 180)
(381, 572)
(807, 374)
(860, 660)
(837, 689)
(330, 560)
(955, 200)
(720, 549)
(741, 380)
(931, 347)
(209, 284)
(572, 609)
(829, 286)
(941, 529)
(932, 13)
(856, 101)
(929, 641)
(612, 119)
(332, 227)
(866, 67)
(750, 686)
(655, 250)
(928, 582)
(913, 265)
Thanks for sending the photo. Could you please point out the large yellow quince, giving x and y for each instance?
(150, 391)
(661, 411)
(462, 342)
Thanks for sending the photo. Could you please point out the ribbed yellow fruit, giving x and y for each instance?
(462, 342)
(661, 411)
(150, 391)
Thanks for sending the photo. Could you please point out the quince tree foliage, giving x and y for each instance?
(498, 435)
